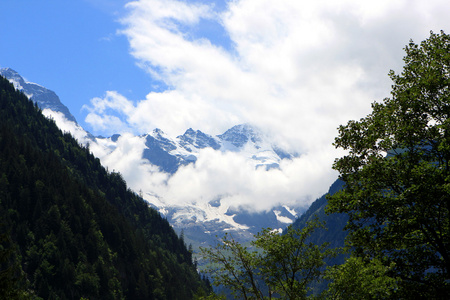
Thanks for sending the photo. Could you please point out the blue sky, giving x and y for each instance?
(72, 48)
(212, 64)
(295, 68)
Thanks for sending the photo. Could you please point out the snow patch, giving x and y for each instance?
(291, 211)
(281, 218)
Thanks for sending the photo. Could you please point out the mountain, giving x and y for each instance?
(334, 233)
(200, 221)
(335, 223)
(45, 98)
(168, 153)
(159, 153)
(69, 228)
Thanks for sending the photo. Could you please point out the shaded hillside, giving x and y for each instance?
(334, 233)
(70, 228)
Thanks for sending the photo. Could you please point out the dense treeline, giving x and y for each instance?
(71, 229)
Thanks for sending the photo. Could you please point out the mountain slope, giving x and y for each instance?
(334, 234)
(45, 98)
(139, 158)
(76, 230)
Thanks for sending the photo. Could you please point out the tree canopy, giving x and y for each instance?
(397, 174)
(276, 266)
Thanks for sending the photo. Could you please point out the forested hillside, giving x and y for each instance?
(334, 233)
(71, 229)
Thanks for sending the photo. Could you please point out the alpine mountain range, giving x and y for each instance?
(200, 222)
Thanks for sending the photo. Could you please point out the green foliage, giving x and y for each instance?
(360, 279)
(76, 229)
(11, 277)
(397, 174)
(279, 266)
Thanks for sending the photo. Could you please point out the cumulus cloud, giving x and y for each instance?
(111, 114)
(295, 68)
(231, 178)
(311, 64)
(227, 176)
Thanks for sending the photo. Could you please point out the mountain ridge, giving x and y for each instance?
(169, 154)
(75, 230)
(45, 98)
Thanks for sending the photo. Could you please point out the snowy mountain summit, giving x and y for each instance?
(203, 184)
(203, 219)
(249, 139)
(239, 135)
(197, 139)
(169, 153)
(45, 98)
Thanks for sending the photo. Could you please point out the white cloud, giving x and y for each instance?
(127, 159)
(222, 175)
(296, 68)
(296, 61)
(110, 114)
(67, 126)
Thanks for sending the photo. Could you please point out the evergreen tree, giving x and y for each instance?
(76, 230)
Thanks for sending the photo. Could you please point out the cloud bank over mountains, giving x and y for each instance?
(228, 175)
(296, 69)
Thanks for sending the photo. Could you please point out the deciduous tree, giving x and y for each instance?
(277, 265)
(397, 174)
(360, 278)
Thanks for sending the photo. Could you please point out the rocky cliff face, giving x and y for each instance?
(44, 97)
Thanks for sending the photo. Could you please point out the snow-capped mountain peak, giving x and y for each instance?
(45, 98)
(240, 135)
(207, 218)
(198, 140)
(151, 161)
(13, 77)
